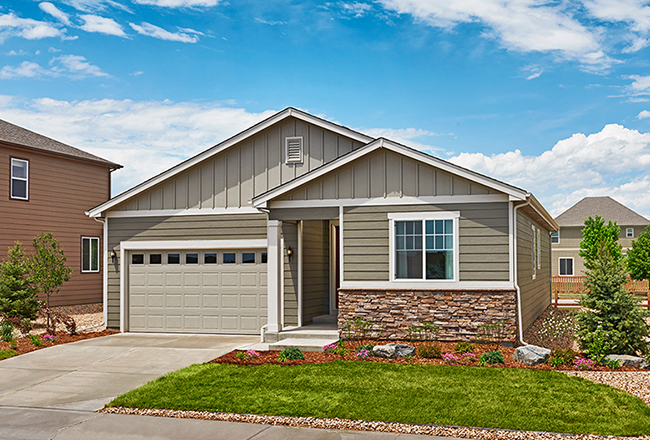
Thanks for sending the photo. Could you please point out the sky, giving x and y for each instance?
(550, 96)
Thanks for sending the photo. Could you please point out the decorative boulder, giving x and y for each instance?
(531, 354)
(403, 350)
(393, 350)
(628, 361)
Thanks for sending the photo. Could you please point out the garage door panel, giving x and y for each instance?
(197, 298)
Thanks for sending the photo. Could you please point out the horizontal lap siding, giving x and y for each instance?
(290, 236)
(535, 293)
(483, 242)
(223, 227)
(315, 278)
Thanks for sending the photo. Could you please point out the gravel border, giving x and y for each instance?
(360, 425)
(636, 383)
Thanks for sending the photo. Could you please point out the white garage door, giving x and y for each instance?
(197, 291)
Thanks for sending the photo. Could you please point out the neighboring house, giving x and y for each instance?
(298, 217)
(48, 186)
(566, 241)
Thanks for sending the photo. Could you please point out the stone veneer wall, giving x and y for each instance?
(458, 313)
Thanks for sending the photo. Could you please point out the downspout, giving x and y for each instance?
(520, 318)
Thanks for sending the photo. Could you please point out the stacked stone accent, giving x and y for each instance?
(458, 313)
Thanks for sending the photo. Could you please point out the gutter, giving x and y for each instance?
(520, 318)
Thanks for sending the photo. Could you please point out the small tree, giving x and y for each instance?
(596, 234)
(48, 268)
(612, 321)
(638, 257)
(18, 297)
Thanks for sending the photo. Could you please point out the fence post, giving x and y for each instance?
(557, 300)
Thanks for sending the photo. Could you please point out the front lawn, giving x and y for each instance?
(4, 354)
(439, 395)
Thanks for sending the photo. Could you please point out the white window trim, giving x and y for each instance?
(628, 234)
(25, 179)
(90, 256)
(534, 251)
(286, 150)
(539, 248)
(421, 216)
(573, 267)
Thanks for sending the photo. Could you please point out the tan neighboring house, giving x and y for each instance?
(566, 241)
(46, 185)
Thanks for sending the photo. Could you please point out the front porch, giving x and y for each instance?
(310, 337)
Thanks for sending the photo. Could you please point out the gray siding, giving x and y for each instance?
(315, 263)
(290, 235)
(535, 293)
(208, 227)
(483, 241)
(233, 177)
(387, 174)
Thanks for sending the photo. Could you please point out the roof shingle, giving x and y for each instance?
(606, 207)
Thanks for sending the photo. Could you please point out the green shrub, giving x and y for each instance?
(562, 357)
(491, 357)
(430, 351)
(464, 347)
(36, 341)
(638, 257)
(292, 354)
(4, 354)
(6, 331)
(18, 297)
(368, 347)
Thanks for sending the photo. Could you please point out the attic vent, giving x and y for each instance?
(293, 149)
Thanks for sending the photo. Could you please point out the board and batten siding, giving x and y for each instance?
(535, 292)
(483, 241)
(208, 227)
(233, 177)
(385, 173)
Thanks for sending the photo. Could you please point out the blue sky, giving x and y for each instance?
(551, 96)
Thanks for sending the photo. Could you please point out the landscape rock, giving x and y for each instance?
(403, 350)
(628, 361)
(393, 350)
(531, 354)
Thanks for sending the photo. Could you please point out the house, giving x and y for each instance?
(566, 241)
(298, 217)
(47, 186)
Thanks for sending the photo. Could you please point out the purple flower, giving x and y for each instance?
(49, 337)
(449, 358)
(584, 364)
(363, 354)
(252, 354)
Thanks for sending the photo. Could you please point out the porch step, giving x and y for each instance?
(314, 331)
(325, 319)
(313, 344)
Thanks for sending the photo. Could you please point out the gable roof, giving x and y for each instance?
(17, 137)
(249, 132)
(606, 207)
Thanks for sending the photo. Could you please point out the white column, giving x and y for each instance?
(273, 266)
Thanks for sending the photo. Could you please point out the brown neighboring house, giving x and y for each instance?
(566, 242)
(46, 185)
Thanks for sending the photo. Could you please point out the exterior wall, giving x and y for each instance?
(535, 292)
(387, 174)
(315, 265)
(233, 177)
(60, 192)
(459, 314)
(483, 241)
(289, 234)
(213, 227)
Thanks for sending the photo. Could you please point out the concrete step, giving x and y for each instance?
(315, 344)
(325, 319)
(310, 332)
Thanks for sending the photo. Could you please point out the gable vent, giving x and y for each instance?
(293, 147)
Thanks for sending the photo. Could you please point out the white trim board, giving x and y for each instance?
(252, 131)
(427, 285)
(181, 212)
(192, 244)
(383, 201)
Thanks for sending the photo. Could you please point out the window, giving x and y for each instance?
(629, 232)
(424, 248)
(534, 259)
(566, 267)
(89, 254)
(248, 257)
(293, 149)
(265, 257)
(137, 259)
(555, 237)
(229, 258)
(155, 259)
(19, 179)
(173, 258)
(191, 258)
(539, 249)
(210, 258)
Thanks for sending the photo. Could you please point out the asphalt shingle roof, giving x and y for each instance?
(17, 136)
(606, 207)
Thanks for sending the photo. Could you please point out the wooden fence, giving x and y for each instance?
(567, 291)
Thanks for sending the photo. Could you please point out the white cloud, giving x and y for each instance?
(643, 115)
(19, 53)
(405, 136)
(532, 72)
(637, 13)
(179, 3)
(95, 5)
(637, 45)
(640, 85)
(102, 25)
(147, 137)
(55, 12)
(26, 69)
(77, 66)
(137, 73)
(14, 26)
(271, 23)
(355, 9)
(157, 32)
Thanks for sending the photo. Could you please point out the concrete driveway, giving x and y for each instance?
(86, 375)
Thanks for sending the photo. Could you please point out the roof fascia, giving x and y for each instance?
(543, 213)
(249, 132)
(514, 193)
(107, 164)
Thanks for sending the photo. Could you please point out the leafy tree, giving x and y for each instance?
(18, 297)
(612, 321)
(638, 257)
(596, 234)
(48, 268)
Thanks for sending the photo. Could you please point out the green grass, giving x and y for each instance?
(524, 399)
(4, 354)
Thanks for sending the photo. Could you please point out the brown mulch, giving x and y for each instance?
(272, 357)
(535, 335)
(24, 345)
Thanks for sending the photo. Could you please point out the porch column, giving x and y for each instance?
(273, 266)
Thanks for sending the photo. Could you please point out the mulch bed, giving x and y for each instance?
(24, 345)
(272, 357)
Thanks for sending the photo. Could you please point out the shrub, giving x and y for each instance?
(4, 354)
(360, 328)
(611, 320)
(291, 354)
(584, 364)
(366, 347)
(241, 355)
(614, 364)
(450, 358)
(36, 341)
(426, 331)
(562, 357)
(638, 256)
(6, 331)
(596, 235)
(363, 354)
(464, 347)
(491, 357)
(17, 295)
(430, 351)
(491, 333)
